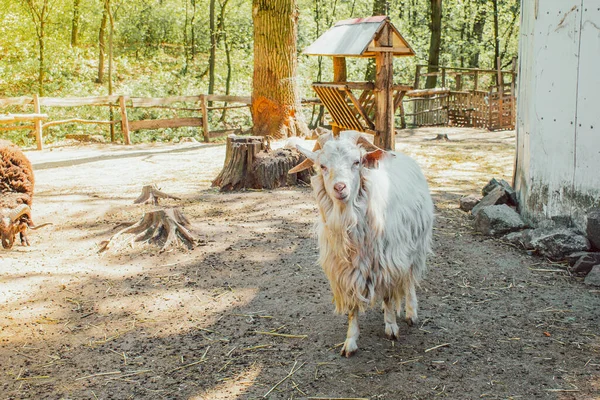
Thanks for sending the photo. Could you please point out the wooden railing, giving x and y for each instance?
(199, 105)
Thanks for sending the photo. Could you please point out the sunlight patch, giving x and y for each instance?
(232, 387)
(187, 307)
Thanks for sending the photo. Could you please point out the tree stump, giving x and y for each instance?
(152, 193)
(250, 164)
(163, 227)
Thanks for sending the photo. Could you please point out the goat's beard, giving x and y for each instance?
(345, 259)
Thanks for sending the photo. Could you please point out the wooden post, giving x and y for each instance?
(339, 69)
(384, 82)
(458, 82)
(476, 80)
(205, 127)
(339, 75)
(443, 77)
(124, 120)
(417, 77)
(38, 123)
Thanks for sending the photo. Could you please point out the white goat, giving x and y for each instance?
(374, 230)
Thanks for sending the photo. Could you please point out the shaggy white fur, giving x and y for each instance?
(374, 230)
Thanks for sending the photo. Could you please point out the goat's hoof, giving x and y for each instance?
(410, 321)
(349, 349)
(392, 332)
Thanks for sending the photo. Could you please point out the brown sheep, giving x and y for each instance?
(16, 194)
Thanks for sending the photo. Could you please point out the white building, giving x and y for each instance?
(557, 170)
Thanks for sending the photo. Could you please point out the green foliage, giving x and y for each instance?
(154, 56)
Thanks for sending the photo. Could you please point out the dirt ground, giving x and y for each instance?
(495, 322)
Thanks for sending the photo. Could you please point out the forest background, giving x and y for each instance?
(161, 48)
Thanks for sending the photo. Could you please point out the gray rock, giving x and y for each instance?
(520, 238)
(593, 227)
(585, 263)
(468, 202)
(557, 243)
(593, 278)
(496, 196)
(499, 219)
(494, 183)
(574, 257)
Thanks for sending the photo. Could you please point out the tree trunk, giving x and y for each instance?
(186, 51)
(213, 50)
(102, 45)
(164, 227)
(477, 34)
(435, 42)
(380, 7)
(110, 66)
(275, 100)
(496, 36)
(193, 30)
(39, 15)
(41, 40)
(249, 163)
(151, 193)
(75, 24)
(227, 46)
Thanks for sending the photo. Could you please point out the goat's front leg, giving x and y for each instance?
(350, 345)
(389, 317)
(24, 239)
(411, 303)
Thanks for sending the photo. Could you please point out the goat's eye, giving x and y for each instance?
(323, 168)
(356, 163)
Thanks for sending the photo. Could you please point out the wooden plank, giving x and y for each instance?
(338, 108)
(124, 120)
(76, 120)
(395, 50)
(427, 92)
(37, 123)
(144, 102)
(485, 71)
(229, 99)
(17, 127)
(164, 123)
(78, 101)
(349, 85)
(216, 108)
(359, 109)
(16, 101)
(404, 88)
(10, 118)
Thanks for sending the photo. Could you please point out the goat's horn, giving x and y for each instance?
(307, 163)
(34, 227)
(18, 212)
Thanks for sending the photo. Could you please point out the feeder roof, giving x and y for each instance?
(356, 38)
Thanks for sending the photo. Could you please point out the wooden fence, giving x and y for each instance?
(461, 102)
(200, 105)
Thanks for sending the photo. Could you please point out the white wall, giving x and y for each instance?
(558, 109)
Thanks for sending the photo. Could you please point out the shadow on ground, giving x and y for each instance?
(231, 319)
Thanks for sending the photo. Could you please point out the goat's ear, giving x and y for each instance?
(371, 159)
(311, 156)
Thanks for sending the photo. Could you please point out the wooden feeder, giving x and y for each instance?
(373, 110)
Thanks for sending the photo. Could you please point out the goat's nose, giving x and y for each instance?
(339, 186)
